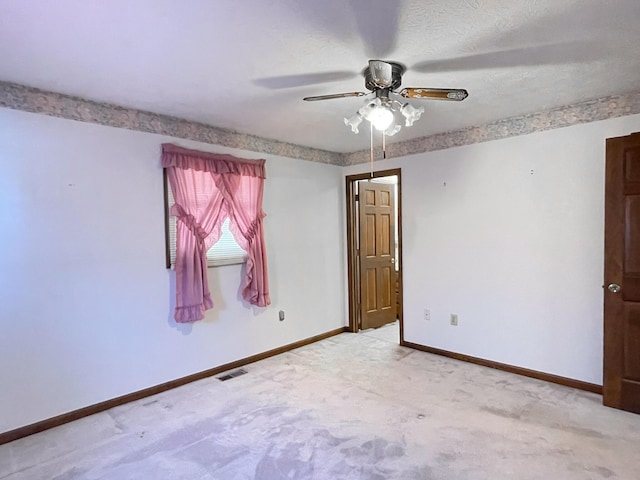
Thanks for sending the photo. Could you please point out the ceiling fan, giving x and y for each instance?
(383, 79)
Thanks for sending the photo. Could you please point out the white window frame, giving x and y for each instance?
(225, 251)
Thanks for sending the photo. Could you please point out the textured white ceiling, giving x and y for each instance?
(245, 65)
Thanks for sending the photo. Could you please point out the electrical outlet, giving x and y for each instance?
(427, 314)
(454, 319)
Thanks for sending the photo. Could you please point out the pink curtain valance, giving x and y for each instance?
(184, 158)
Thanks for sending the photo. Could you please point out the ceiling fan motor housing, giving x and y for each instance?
(396, 77)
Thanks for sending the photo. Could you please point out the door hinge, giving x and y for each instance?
(357, 197)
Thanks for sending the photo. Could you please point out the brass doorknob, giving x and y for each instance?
(614, 287)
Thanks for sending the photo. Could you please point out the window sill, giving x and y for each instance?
(221, 262)
(227, 261)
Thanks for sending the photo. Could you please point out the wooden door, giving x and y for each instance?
(377, 251)
(622, 274)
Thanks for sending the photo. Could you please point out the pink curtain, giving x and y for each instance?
(207, 188)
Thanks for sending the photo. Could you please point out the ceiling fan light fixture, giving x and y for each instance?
(354, 122)
(377, 112)
(411, 113)
(381, 117)
(383, 79)
(392, 130)
(367, 108)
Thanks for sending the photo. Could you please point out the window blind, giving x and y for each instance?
(225, 251)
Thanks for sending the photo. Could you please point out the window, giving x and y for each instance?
(234, 185)
(225, 251)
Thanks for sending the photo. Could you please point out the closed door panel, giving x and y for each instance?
(377, 247)
(622, 275)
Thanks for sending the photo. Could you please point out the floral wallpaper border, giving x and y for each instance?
(20, 97)
(585, 112)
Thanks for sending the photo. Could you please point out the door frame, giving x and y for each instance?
(352, 257)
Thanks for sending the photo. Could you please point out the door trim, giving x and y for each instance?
(351, 246)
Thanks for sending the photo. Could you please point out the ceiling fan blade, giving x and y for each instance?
(376, 23)
(452, 94)
(534, 56)
(290, 81)
(335, 95)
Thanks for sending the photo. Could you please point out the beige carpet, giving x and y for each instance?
(350, 407)
(389, 332)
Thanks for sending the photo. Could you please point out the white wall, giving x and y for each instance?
(509, 235)
(85, 309)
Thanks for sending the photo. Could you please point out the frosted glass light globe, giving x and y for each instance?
(354, 121)
(380, 117)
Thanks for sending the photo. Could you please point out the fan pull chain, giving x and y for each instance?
(371, 150)
(384, 146)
